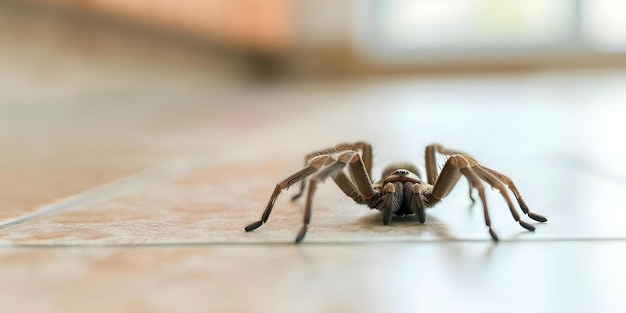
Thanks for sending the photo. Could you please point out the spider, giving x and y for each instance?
(401, 190)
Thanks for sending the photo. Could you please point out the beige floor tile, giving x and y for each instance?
(432, 277)
(83, 104)
(238, 151)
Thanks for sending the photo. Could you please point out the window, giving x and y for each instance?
(426, 29)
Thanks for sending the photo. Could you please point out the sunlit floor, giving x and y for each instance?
(132, 195)
(110, 209)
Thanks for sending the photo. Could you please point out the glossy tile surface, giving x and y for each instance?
(433, 277)
(171, 235)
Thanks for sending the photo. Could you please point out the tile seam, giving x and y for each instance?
(208, 244)
(124, 185)
(165, 172)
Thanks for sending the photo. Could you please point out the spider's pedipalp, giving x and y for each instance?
(417, 203)
(391, 203)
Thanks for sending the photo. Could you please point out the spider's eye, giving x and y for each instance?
(402, 172)
(402, 169)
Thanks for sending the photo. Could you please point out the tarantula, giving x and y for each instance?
(400, 191)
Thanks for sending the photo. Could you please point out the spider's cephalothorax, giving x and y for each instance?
(400, 190)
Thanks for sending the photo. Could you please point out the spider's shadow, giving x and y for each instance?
(408, 225)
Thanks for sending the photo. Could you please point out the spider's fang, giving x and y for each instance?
(537, 217)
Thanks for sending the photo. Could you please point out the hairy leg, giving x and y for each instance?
(431, 160)
(364, 148)
(431, 163)
(458, 165)
(495, 183)
(313, 166)
(507, 181)
(476, 183)
(335, 170)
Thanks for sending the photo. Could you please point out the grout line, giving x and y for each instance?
(129, 184)
(125, 185)
(208, 244)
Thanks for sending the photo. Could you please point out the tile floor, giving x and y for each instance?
(153, 221)
(134, 199)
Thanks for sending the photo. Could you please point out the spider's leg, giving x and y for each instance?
(300, 191)
(364, 147)
(506, 180)
(360, 174)
(347, 186)
(431, 160)
(314, 165)
(471, 196)
(307, 211)
(476, 183)
(334, 170)
(494, 182)
(456, 166)
(431, 163)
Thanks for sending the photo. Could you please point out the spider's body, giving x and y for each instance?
(401, 190)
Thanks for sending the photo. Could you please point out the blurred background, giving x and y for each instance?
(133, 83)
(101, 69)
(338, 37)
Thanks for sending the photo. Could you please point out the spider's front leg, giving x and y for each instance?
(313, 166)
(431, 164)
(463, 165)
(325, 166)
(360, 190)
(366, 153)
